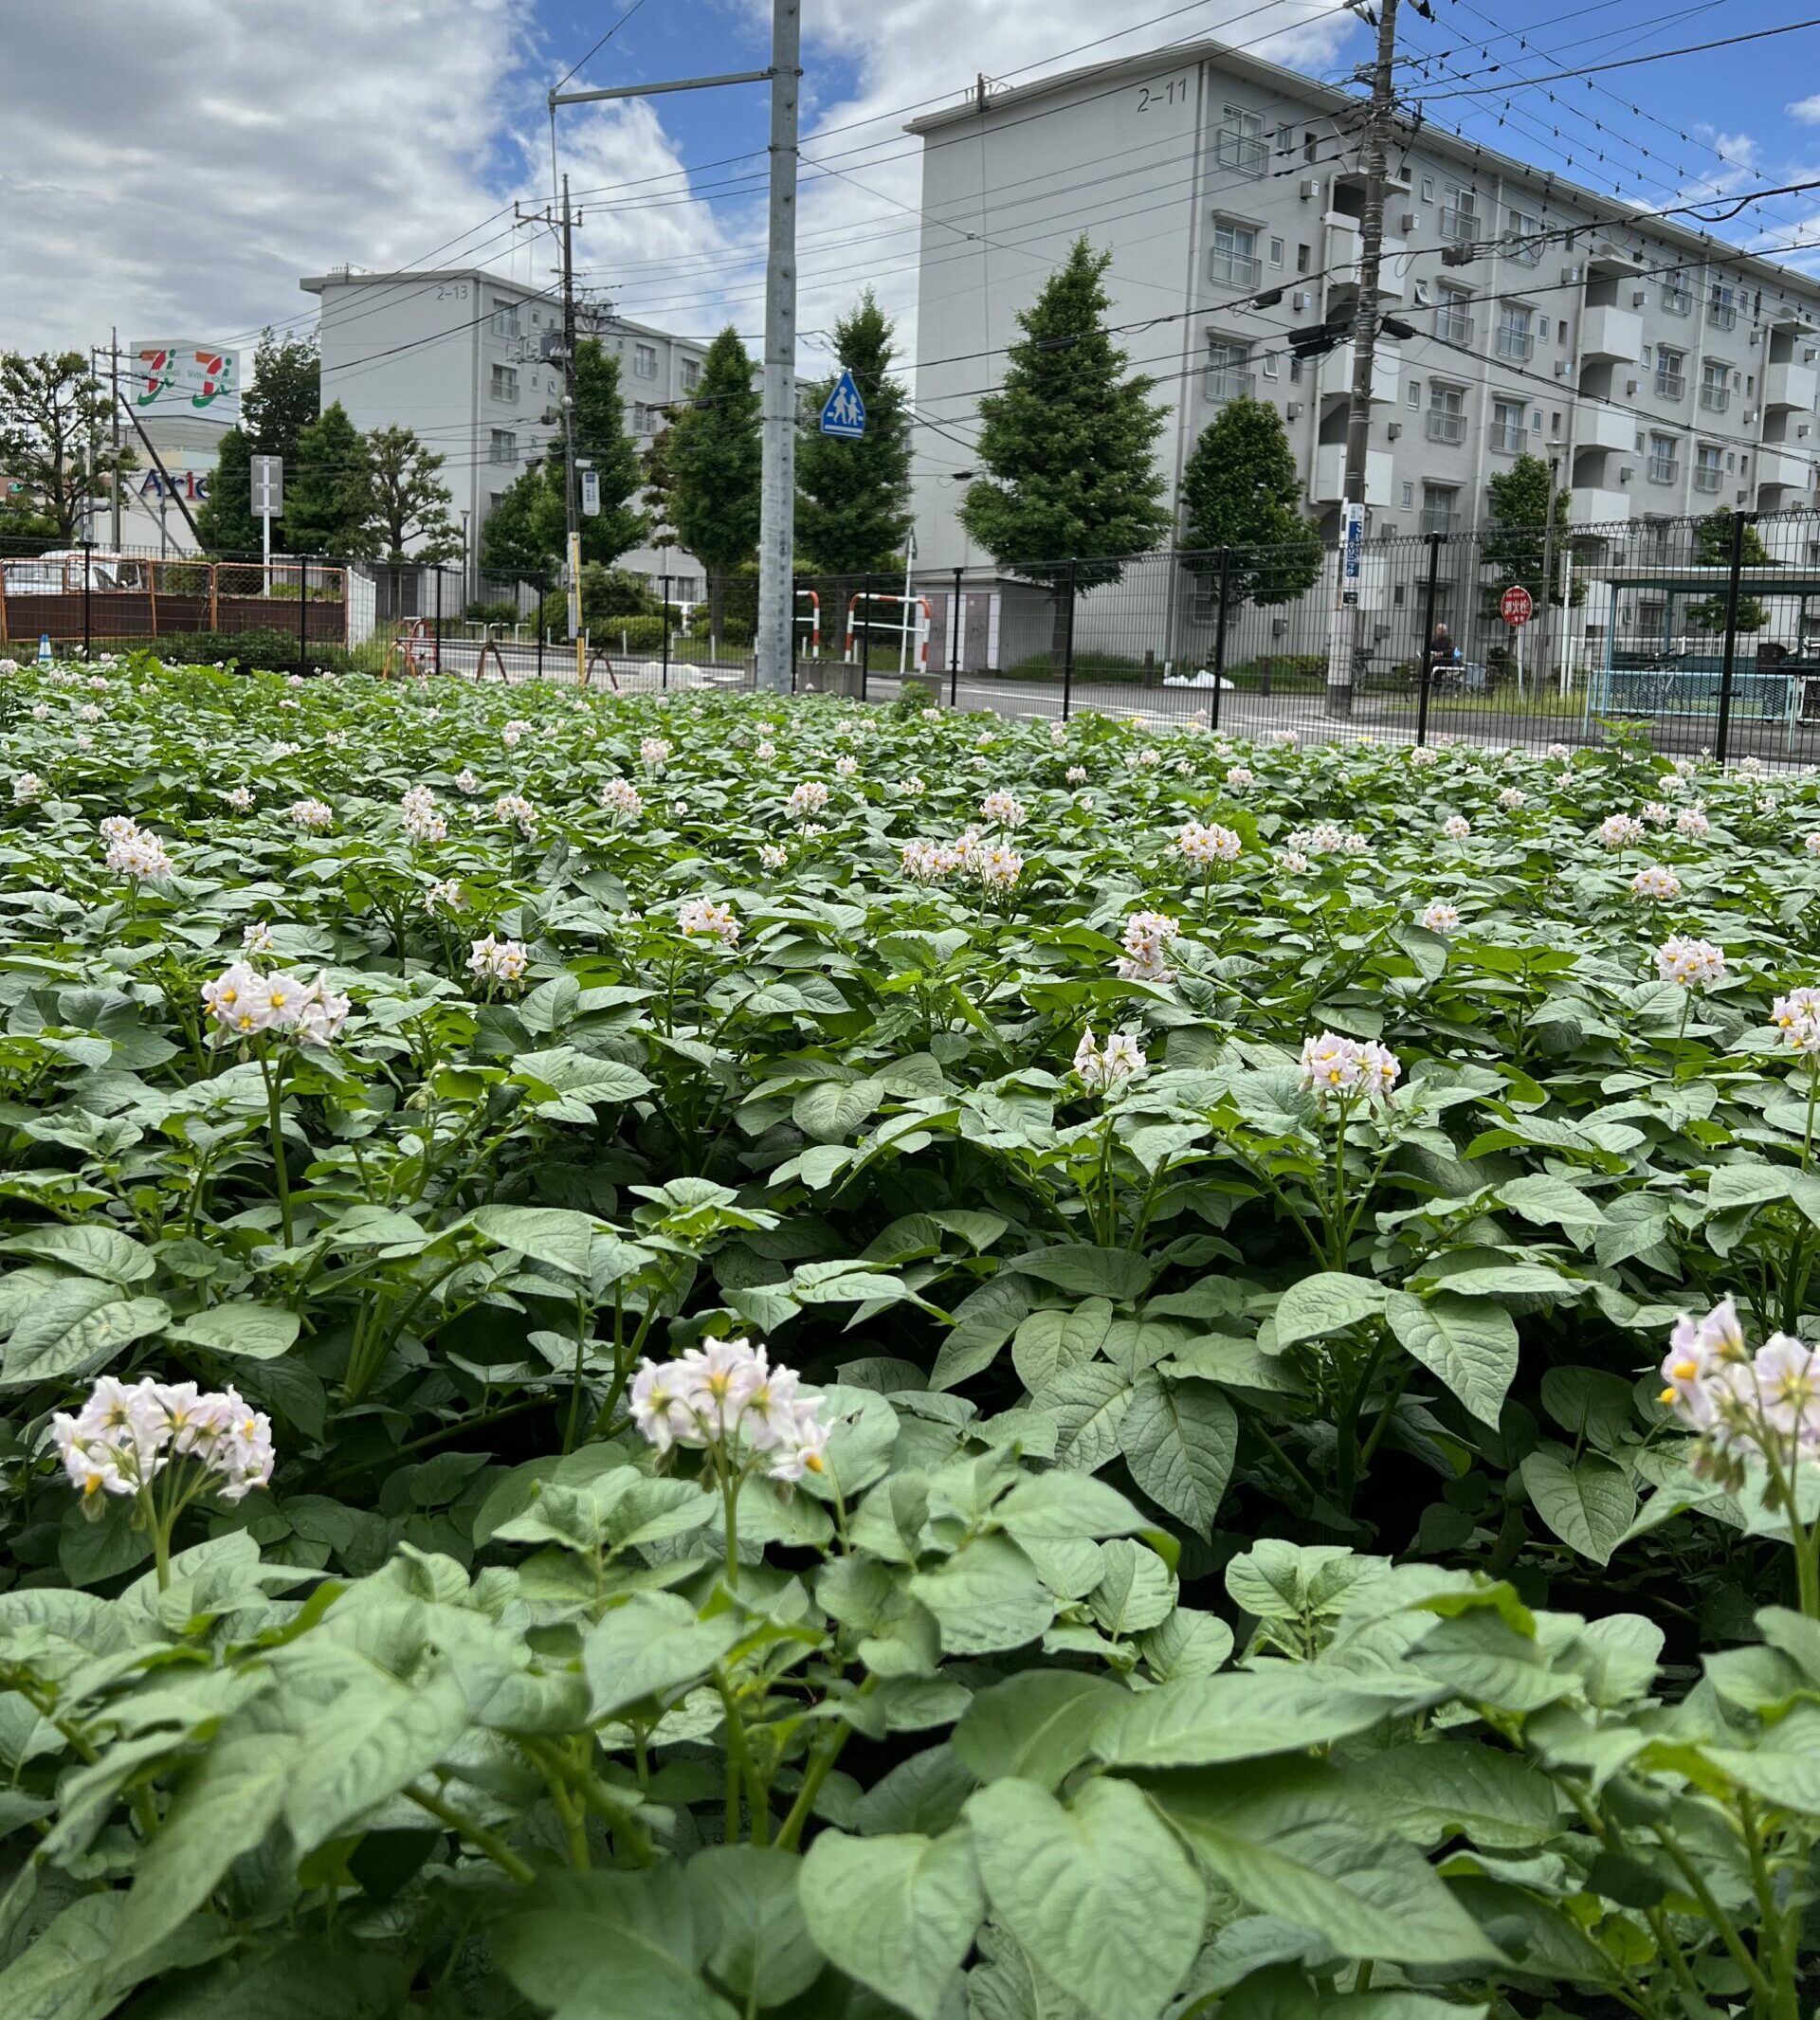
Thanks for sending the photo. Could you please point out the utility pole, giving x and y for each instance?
(114, 481)
(565, 223)
(776, 593)
(777, 495)
(1349, 633)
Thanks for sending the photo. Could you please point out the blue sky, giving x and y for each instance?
(181, 184)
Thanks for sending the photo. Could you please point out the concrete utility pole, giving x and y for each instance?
(777, 496)
(1349, 633)
(114, 481)
(565, 222)
(776, 536)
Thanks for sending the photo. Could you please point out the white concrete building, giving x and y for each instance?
(460, 357)
(1669, 372)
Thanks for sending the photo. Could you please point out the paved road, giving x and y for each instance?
(1386, 718)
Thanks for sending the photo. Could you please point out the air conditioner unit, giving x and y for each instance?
(1750, 417)
(1308, 188)
(1754, 334)
(1808, 356)
(1569, 276)
(1802, 429)
(1636, 297)
(1395, 430)
(1560, 367)
(1626, 474)
(1299, 300)
(1410, 222)
(1630, 386)
(1294, 409)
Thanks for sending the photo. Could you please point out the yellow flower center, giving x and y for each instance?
(1684, 1371)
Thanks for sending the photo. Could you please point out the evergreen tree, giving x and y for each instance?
(56, 436)
(1516, 542)
(328, 506)
(1240, 491)
(521, 536)
(853, 497)
(408, 505)
(713, 457)
(1713, 549)
(278, 404)
(1070, 443)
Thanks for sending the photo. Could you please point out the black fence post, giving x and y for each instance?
(954, 653)
(666, 584)
(1219, 634)
(303, 612)
(1427, 673)
(88, 556)
(436, 645)
(1068, 648)
(865, 641)
(1723, 740)
(540, 595)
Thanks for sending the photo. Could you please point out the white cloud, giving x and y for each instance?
(1806, 110)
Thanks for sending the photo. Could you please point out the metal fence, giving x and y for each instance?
(1703, 631)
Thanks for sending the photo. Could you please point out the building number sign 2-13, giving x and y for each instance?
(1152, 98)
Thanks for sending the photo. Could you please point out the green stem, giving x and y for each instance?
(1741, 1957)
(826, 1753)
(477, 1836)
(274, 1098)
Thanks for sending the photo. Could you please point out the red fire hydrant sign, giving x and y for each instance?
(1517, 606)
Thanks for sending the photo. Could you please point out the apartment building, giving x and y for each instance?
(463, 358)
(1664, 370)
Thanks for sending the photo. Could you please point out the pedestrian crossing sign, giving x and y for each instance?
(843, 411)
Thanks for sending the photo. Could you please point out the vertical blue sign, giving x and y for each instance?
(843, 412)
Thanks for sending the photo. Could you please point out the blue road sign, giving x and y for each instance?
(844, 413)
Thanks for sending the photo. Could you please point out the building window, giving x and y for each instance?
(691, 374)
(1234, 260)
(645, 419)
(1295, 371)
(1671, 380)
(505, 446)
(1440, 508)
(1524, 246)
(1446, 413)
(1302, 258)
(1270, 365)
(1310, 146)
(1677, 297)
(1227, 375)
(504, 383)
(1276, 252)
(1721, 306)
(1413, 394)
(1507, 427)
(506, 316)
(1708, 476)
(1664, 466)
(643, 362)
(1715, 386)
(1458, 215)
(1514, 338)
(1239, 143)
(1409, 494)
(1427, 189)
(1452, 324)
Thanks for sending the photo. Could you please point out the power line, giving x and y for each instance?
(1652, 56)
(599, 46)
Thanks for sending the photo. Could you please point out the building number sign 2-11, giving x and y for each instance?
(1152, 98)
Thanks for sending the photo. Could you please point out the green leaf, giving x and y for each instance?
(92, 1248)
(1084, 1271)
(1469, 1343)
(242, 1329)
(1037, 1725)
(831, 1111)
(1048, 1341)
(761, 1948)
(556, 1235)
(611, 1946)
(1590, 1403)
(1179, 1439)
(651, 1644)
(1136, 1590)
(1588, 1502)
(69, 1335)
(1542, 1198)
(896, 1914)
(1087, 1403)
(1431, 1790)
(1100, 1894)
(68, 1971)
(984, 1320)
(223, 1807)
(376, 1737)
(1241, 1715)
(1326, 1304)
(986, 1597)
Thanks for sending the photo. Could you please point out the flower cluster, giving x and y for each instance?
(256, 937)
(995, 865)
(622, 797)
(1691, 963)
(1513, 799)
(1620, 830)
(466, 783)
(1797, 1017)
(1693, 821)
(1657, 814)
(240, 798)
(1327, 838)
(1239, 777)
(1346, 1067)
(1744, 1407)
(1422, 757)
(1208, 845)
(1440, 917)
(1146, 938)
(132, 852)
(1103, 1067)
(1005, 809)
(497, 960)
(1655, 880)
(928, 861)
(727, 1395)
(421, 821)
(245, 1004)
(1456, 828)
(655, 752)
(805, 799)
(312, 814)
(445, 895)
(515, 808)
(845, 767)
(127, 1433)
(702, 919)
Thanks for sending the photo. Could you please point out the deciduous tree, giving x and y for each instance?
(55, 435)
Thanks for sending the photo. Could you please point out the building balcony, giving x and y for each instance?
(1336, 372)
(1781, 470)
(1242, 270)
(1598, 426)
(1595, 506)
(1708, 477)
(1791, 385)
(1342, 257)
(1328, 484)
(1609, 332)
(1715, 399)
